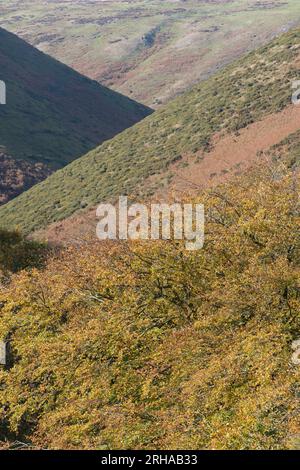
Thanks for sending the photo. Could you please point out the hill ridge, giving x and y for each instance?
(249, 89)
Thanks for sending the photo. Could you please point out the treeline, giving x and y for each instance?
(149, 346)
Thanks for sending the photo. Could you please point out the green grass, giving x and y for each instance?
(249, 89)
(53, 114)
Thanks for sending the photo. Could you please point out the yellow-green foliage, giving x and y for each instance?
(146, 345)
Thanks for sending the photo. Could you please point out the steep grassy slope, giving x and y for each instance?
(149, 49)
(150, 346)
(246, 91)
(276, 138)
(53, 114)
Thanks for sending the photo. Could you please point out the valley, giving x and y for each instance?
(148, 49)
(250, 89)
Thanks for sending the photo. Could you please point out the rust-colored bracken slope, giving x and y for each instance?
(232, 154)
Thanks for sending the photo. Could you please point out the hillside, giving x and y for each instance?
(151, 346)
(151, 50)
(231, 156)
(53, 114)
(140, 160)
(19, 175)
